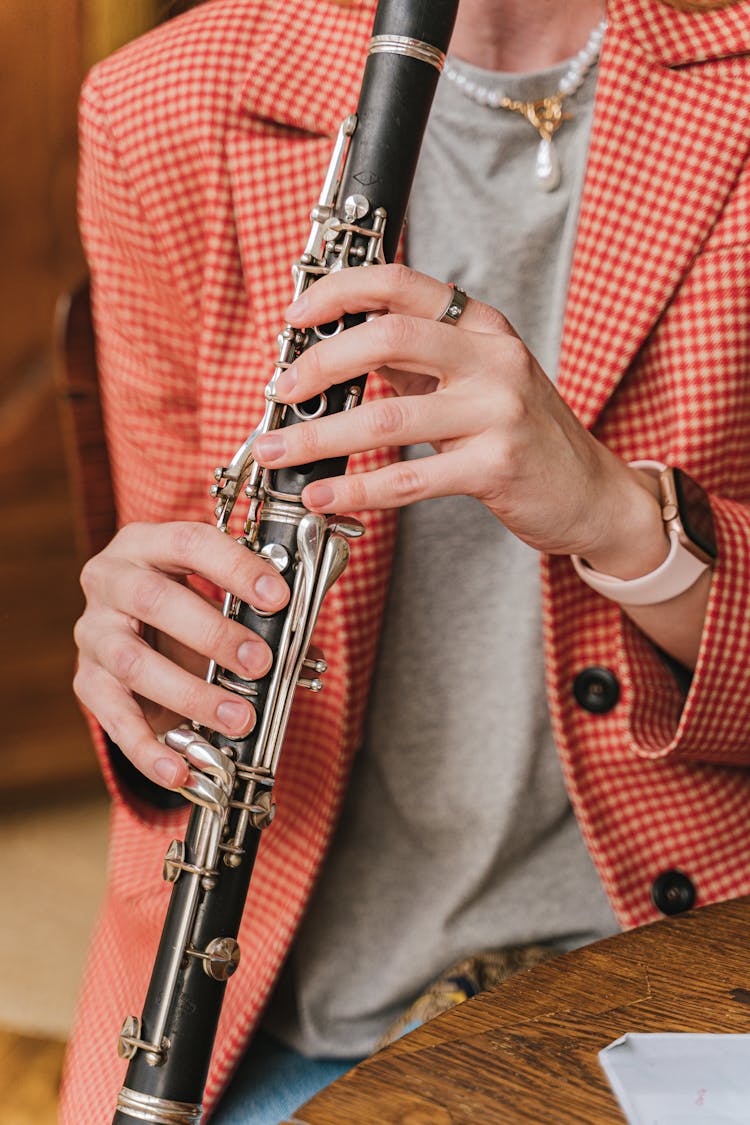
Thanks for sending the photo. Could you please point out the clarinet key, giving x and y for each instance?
(173, 861)
(220, 958)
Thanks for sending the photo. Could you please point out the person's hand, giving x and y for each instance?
(501, 431)
(136, 587)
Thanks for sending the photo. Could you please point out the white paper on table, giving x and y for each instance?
(677, 1079)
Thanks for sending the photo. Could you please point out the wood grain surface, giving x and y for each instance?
(526, 1052)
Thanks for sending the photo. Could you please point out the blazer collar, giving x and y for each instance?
(306, 66)
(667, 145)
(676, 38)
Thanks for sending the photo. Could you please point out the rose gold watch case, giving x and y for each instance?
(673, 516)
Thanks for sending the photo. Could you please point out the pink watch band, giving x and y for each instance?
(679, 571)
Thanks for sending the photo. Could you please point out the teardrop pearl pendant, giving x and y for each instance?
(547, 172)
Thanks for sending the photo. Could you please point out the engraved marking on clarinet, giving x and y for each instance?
(404, 45)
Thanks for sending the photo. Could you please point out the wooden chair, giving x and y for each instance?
(77, 383)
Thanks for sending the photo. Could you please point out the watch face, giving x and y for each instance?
(696, 516)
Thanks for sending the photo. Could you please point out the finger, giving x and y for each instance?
(408, 382)
(394, 288)
(142, 671)
(196, 548)
(405, 342)
(171, 608)
(389, 421)
(160, 719)
(194, 662)
(394, 486)
(121, 717)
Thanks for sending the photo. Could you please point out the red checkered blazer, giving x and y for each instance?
(204, 145)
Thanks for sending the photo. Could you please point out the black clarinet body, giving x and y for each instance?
(357, 221)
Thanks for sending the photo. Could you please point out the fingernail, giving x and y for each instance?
(271, 590)
(319, 495)
(236, 716)
(297, 308)
(270, 446)
(287, 381)
(170, 772)
(253, 656)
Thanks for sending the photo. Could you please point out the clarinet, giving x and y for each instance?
(356, 222)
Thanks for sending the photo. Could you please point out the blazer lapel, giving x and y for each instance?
(306, 68)
(303, 78)
(668, 141)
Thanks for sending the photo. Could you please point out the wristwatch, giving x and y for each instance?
(689, 524)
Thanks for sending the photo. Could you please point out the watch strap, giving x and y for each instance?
(679, 571)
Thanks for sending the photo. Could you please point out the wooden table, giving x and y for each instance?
(526, 1052)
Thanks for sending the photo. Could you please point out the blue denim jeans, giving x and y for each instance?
(272, 1081)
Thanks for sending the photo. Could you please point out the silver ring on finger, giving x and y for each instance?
(452, 312)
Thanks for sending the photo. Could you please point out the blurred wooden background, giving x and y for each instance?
(47, 46)
(52, 811)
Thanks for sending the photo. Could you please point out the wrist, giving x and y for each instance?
(637, 542)
(688, 524)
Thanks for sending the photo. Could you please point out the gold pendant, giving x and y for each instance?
(546, 116)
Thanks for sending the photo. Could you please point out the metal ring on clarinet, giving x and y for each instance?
(403, 45)
(162, 1111)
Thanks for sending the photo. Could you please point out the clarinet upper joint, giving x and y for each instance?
(337, 241)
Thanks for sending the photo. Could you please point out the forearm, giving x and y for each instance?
(676, 626)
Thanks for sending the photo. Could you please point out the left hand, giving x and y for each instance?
(500, 430)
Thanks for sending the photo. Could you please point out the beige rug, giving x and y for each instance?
(53, 862)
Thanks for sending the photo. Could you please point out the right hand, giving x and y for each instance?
(136, 689)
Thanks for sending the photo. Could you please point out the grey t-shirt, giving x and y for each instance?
(457, 835)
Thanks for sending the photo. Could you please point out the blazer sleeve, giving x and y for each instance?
(707, 717)
(146, 329)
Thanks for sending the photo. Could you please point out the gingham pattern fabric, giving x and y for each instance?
(204, 145)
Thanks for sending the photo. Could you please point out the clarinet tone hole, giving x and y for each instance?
(312, 409)
(326, 331)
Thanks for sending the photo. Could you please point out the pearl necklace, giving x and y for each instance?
(546, 114)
